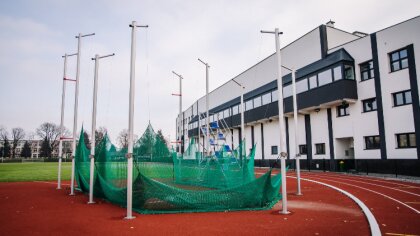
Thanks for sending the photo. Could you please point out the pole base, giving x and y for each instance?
(299, 194)
(284, 213)
(91, 202)
(129, 217)
(58, 188)
(72, 194)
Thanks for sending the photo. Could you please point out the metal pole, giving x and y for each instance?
(180, 143)
(131, 123)
(241, 147)
(92, 145)
(295, 119)
(283, 151)
(207, 108)
(76, 103)
(60, 145)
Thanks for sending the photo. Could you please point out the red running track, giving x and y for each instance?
(395, 204)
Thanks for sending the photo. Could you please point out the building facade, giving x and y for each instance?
(36, 148)
(357, 95)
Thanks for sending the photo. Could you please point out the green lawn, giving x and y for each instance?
(12, 172)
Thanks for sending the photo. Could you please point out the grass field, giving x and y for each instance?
(13, 172)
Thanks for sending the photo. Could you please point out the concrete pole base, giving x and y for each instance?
(129, 217)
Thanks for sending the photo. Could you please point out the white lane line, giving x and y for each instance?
(45, 182)
(393, 199)
(396, 189)
(373, 224)
(370, 178)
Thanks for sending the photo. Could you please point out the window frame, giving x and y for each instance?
(367, 100)
(322, 150)
(368, 70)
(346, 110)
(303, 147)
(399, 60)
(409, 144)
(404, 96)
(374, 147)
(274, 147)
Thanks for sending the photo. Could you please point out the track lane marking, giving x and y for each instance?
(396, 189)
(386, 196)
(45, 182)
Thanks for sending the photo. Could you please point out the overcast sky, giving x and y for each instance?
(34, 34)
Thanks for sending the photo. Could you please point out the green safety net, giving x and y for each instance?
(165, 182)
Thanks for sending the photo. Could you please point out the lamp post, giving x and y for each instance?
(283, 150)
(295, 119)
(207, 107)
(63, 98)
(131, 121)
(92, 146)
(76, 102)
(180, 111)
(242, 118)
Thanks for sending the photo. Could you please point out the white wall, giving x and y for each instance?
(338, 37)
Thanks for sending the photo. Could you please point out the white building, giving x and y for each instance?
(358, 101)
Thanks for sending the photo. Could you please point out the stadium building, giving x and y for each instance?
(358, 102)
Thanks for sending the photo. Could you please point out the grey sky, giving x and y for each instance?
(35, 34)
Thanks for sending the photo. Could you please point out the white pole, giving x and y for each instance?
(92, 143)
(282, 128)
(207, 109)
(242, 123)
(131, 123)
(60, 145)
(76, 103)
(93, 136)
(295, 118)
(181, 121)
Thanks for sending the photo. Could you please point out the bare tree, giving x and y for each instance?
(100, 134)
(17, 135)
(4, 135)
(123, 138)
(51, 133)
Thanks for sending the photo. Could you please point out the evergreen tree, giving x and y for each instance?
(46, 150)
(87, 141)
(6, 148)
(26, 150)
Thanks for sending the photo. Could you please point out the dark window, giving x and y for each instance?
(320, 148)
(369, 105)
(303, 150)
(372, 142)
(366, 70)
(407, 140)
(398, 60)
(348, 72)
(402, 98)
(343, 110)
(274, 150)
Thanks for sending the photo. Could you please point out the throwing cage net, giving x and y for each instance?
(165, 182)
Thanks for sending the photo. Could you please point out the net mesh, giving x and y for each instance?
(165, 182)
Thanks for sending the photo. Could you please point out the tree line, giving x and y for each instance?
(49, 134)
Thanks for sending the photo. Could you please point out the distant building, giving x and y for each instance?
(358, 101)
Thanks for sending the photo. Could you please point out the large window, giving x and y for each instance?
(324, 77)
(402, 98)
(372, 142)
(302, 86)
(226, 113)
(274, 150)
(266, 98)
(369, 105)
(407, 140)
(366, 71)
(248, 105)
(343, 110)
(348, 72)
(257, 102)
(320, 148)
(275, 95)
(398, 60)
(235, 109)
(287, 91)
(312, 82)
(337, 73)
(303, 150)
